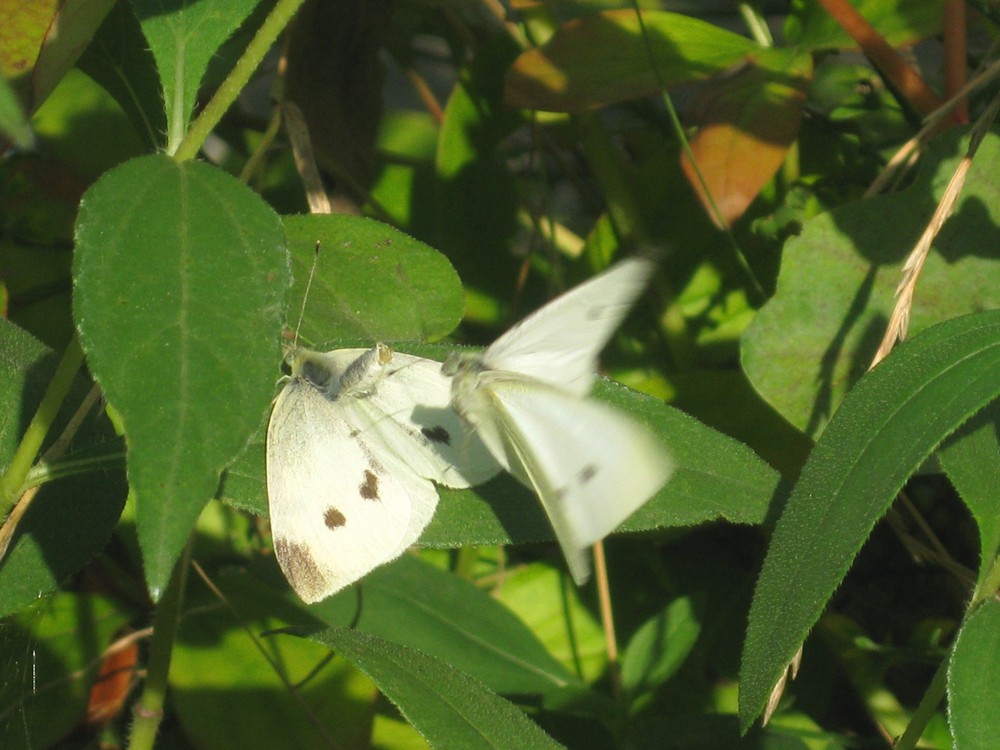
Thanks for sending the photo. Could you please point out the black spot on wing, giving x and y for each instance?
(437, 433)
(333, 518)
(587, 473)
(369, 487)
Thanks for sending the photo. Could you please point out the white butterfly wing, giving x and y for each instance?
(591, 465)
(402, 404)
(338, 508)
(560, 342)
(410, 414)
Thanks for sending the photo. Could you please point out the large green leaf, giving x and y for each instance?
(417, 605)
(372, 282)
(974, 681)
(180, 276)
(888, 425)
(183, 37)
(817, 334)
(448, 707)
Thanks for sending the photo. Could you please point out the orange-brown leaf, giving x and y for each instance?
(747, 124)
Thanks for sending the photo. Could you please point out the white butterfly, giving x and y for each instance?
(590, 464)
(354, 440)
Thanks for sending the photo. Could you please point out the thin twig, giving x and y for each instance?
(607, 618)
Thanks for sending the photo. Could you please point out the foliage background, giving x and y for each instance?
(460, 163)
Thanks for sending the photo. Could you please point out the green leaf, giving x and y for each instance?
(889, 424)
(42, 40)
(372, 282)
(900, 22)
(974, 680)
(448, 707)
(419, 606)
(119, 59)
(221, 666)
(816, 336)
(51, 655)
(659, 647)
(70, 519)
(26, 365)
(602, 58)
(70, 33)
(13, 124)
(560, 616)
(183, 38)
(476, 201)
(180, 275)
(82, 126)
(971, 459)
(68, 522)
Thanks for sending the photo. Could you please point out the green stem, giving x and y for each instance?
(226, 94)
(12, 482)
(989, 587)
(939, 685)
(46, 471)
(149, 707)
(675, 122)
(927, 708)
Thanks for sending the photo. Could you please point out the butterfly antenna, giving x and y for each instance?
(302, 312)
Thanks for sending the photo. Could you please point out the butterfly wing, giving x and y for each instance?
(559, 343)
(338, 506)
(410, 413)
(591, 465)
(401, 404)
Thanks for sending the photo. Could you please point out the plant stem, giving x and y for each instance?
(226, 94)
(607, 619)
(149, 708)
(12, 482)
(715, 213)
(927, 708)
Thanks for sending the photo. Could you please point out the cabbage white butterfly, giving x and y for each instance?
(590, 465)
(354, 440)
